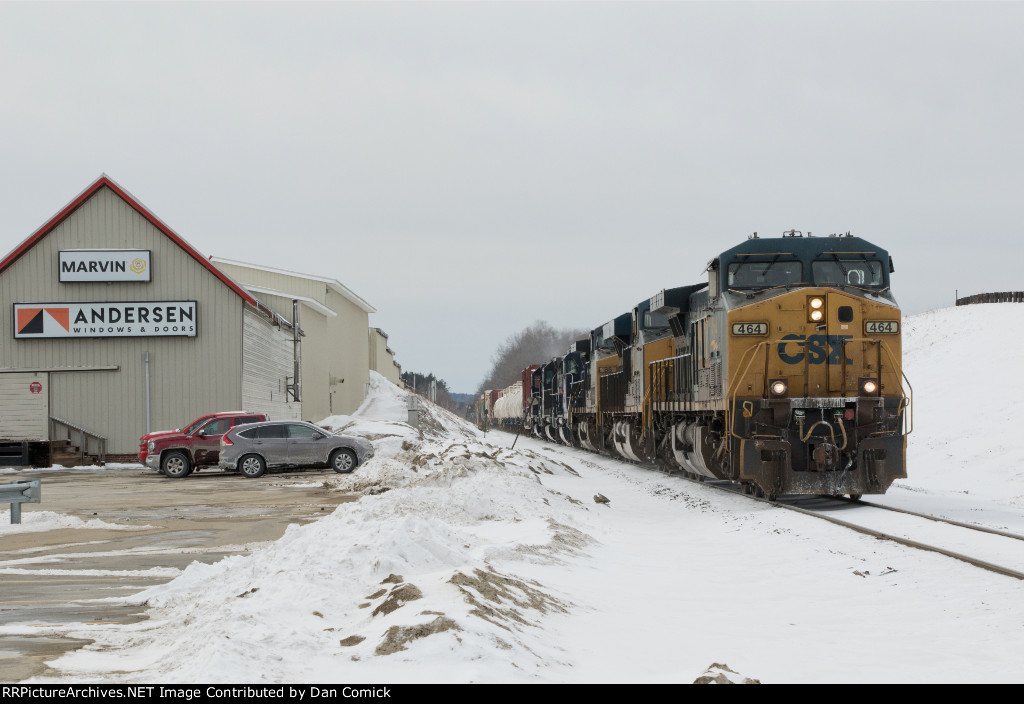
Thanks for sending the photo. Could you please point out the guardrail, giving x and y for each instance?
(18, 493)
(1001, 297)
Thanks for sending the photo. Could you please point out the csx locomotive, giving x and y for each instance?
(782, 372)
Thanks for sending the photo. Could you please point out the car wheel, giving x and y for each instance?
(252, 466)
(342, 461)
(176, 465)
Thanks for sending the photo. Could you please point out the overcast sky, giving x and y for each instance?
(469, 168)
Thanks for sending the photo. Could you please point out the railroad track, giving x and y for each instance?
(998, 545)
(902, 540)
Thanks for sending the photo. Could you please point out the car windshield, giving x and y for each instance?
(194, 426)
(840, 271)
(765, 274)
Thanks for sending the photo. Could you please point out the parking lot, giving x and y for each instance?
(49, 580)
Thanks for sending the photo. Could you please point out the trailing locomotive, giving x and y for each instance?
(781, 372)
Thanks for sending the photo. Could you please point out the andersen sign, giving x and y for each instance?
(133, 319)
(105, 265)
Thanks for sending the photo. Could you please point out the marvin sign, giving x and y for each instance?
(133, 319)
(105, 265)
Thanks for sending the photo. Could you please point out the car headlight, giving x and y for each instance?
(151, 446)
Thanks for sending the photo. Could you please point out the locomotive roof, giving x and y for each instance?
(806, 248)
(620, 326)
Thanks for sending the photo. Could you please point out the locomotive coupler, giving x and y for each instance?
(825, 455)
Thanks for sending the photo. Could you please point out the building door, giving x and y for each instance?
(24, 406)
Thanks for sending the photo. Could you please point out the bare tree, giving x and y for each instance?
(535, 344)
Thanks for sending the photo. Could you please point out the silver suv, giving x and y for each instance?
(254, 448)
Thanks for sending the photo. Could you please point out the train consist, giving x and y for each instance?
(782, 372)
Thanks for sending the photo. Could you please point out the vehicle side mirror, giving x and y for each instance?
(201, 433)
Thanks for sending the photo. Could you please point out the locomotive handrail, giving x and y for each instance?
(658, 370)
(908, 399)
(906, 402)
(730, 406)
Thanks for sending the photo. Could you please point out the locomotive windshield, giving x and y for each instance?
(866, 273)
(765, 274)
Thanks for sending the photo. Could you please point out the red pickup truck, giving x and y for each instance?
(175, 453)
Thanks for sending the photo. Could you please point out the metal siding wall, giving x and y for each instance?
(189, 376)
(348, 352)
(374, 336)
(266, 361)
(392, 374)
(333, 346)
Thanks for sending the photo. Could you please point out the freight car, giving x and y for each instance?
(781, 372)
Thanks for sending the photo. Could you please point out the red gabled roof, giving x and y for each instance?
(99, 183)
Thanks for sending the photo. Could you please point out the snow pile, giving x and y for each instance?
(426, 559)
(36, 521)
(382, 419)
(963, 365)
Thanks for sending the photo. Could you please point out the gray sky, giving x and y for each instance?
(471, 168)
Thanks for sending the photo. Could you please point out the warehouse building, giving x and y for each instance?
(332, 322)
(113, 325)
(382, 357)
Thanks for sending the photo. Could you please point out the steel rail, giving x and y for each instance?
(937, 519)
(734, 489)
(902, 541)
(991, 567)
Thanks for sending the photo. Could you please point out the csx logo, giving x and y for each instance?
(816, 348)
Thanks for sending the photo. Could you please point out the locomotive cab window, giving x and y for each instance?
(866, 273)
(765, 274)
(654, 321)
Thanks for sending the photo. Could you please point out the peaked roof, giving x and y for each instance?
(334, 284)
(106, 181)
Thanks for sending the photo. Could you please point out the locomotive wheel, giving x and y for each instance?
(855, 497)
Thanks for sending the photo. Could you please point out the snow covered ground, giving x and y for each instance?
(36, 521)
(467, 561)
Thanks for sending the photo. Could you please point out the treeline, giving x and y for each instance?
(536, 344)
(420, 383)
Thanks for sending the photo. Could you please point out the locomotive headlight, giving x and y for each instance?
(778, 387)
(868, 387)
(815, 308)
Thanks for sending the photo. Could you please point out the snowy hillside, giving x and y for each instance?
(467, 561)
(965, 369)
